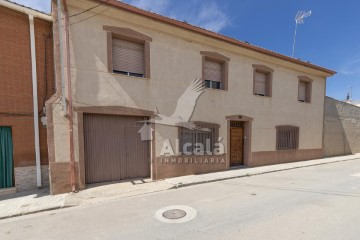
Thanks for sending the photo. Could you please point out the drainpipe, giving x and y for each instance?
(35, 100)
(59, 20)
(70, 110)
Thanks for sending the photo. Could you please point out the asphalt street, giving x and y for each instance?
(319, 202)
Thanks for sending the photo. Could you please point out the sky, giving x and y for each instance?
(329, 38)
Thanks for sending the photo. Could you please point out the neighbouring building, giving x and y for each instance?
(353, 102)
(341, 128)
(121, 63)
(26, 77)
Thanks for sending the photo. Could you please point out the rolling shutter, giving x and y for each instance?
(113, 148)
(260, 83)
(302, 91)
(212, 71)
(128, 56)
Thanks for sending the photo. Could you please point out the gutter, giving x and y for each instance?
(35, 100)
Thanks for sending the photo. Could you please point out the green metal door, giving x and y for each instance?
(6, 158)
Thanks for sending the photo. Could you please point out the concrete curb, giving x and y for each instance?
(181, 185)
(36, 211)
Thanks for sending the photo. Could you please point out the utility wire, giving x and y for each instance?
(89, 9)
(79, 13)
(93, 15)
(90, 17)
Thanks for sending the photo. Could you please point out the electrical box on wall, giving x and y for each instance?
(44, 120)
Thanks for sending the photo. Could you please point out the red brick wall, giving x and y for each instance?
(16, 100)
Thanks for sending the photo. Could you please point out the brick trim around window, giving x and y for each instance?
(257, 68)
(131, 36)
(217, 57)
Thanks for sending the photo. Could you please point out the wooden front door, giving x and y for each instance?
(236, 143)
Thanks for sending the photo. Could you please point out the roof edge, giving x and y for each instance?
(211, 34)
(27, 10)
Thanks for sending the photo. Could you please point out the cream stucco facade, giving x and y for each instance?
(175, 60)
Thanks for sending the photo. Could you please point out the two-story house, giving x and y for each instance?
(133, 109)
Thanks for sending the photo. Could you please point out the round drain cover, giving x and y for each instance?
(174, 214)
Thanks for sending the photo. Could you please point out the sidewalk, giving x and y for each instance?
(246, 172)
(95, 193)
(17, 204)
(39, 200)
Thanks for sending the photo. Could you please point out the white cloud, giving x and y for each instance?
(351, 68)
(211, 17)
(206, 14)
(41, 5)
(157, 6)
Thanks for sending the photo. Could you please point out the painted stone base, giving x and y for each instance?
(60, 181)
(286, 156)
(25, 177)
(167, 167)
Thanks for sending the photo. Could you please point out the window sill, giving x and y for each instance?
(286, 150)
(215, 89)
(127, 76)
(257, 95)
(303, 102)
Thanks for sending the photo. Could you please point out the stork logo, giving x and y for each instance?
(182, 114)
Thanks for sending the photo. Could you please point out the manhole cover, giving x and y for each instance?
(174, 214)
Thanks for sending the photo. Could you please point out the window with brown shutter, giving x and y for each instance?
(262, 80)
(215, 70)
(128, 52)
(287, 137)
(260, 83)
(304, 91)
(128, 57)
(213, 74)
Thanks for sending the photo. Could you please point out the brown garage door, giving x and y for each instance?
(113, 148)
